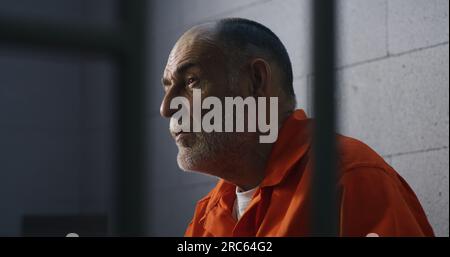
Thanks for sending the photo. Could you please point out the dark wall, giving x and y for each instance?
(57, 120)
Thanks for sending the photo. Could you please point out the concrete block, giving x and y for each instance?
(398, 104)
(427, 173)
(361, 30)
(417, 23)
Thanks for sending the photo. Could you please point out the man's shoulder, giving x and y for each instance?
(353, 153)
(355, 158)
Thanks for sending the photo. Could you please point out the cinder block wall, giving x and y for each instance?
(394, 92)
(394, 78)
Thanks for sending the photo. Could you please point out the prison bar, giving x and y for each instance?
(127, 46)
(131, 200)
(324, 209)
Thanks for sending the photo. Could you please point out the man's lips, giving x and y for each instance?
(181, 135)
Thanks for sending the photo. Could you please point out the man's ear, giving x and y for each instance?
(260, 76)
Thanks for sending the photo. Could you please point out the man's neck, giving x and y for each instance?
(249, 170)
(248, 167)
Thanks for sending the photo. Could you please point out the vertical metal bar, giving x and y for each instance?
(324, 215)
(131, 200)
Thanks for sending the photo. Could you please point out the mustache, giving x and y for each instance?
(176, 128)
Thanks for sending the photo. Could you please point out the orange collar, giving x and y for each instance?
(292, 144)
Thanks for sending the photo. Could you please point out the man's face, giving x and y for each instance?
(196, 62)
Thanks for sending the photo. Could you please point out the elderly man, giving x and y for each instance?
(264, 188)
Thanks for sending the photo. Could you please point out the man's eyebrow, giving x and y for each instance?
(184, 66)
(180, 69)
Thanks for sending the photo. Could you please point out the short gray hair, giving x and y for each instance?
(244, 38)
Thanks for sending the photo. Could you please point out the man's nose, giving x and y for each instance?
(164, 109)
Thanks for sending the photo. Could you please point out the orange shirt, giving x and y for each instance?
(373, 197)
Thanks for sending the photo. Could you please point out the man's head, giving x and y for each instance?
(229, 57)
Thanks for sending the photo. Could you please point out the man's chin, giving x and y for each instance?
(187, 161)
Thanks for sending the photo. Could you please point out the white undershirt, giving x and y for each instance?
(243, 199)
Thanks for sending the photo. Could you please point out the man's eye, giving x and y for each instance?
(191, 81)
